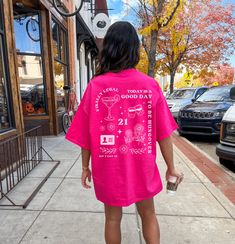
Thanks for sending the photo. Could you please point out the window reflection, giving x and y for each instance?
(4, 106)
(60, 63)
(31, 84)
(1, 22)
(55, 37)
(27, 33)
(63, 46)
(60, 77)
(32, 90)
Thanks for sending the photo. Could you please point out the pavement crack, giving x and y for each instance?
(43, 208)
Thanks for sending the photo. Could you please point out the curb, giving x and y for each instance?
(222, 180)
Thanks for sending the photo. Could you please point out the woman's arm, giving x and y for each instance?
(86, 154)
(166, 147)
(86, 172)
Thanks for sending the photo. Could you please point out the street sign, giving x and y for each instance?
(216, 83)
(188, 76)
(101, 23)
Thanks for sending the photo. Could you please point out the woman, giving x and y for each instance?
(121, 116)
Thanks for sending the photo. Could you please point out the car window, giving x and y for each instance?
(181, 94)
(217, 94)
(200, 92)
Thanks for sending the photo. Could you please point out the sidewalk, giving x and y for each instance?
(65, 213)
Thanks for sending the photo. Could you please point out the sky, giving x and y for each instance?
(122, 12)
(28, 45)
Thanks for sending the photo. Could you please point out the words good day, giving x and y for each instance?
(135, 96)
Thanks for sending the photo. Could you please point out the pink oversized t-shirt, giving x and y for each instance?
(120, 118)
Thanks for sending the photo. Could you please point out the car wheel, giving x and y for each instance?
(225, 161)
(180, 133)
(228, 164)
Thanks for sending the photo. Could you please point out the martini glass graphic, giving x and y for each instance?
(109, 103)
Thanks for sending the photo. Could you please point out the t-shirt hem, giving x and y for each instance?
(128, 203)
(77, 143)
(168, 134)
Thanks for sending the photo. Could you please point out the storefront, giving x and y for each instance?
(40, 52)
(6, 121)
(10, 115)
(36, 61)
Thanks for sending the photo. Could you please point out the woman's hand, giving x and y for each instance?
(173, 172)
(86, 175)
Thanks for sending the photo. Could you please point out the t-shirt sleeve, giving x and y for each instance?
(165, 123)
(78, 132)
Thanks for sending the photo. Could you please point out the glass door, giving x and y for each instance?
(5, 108)
(31, 73)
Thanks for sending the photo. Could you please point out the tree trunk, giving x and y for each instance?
(152, 53)
(172, 82)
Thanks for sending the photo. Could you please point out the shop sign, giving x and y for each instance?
(101, 23)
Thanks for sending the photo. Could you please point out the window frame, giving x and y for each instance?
(41, 55)
(7, 87)
(61, 28)
(59, 60)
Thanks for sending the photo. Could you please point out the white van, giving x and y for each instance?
(226, 149)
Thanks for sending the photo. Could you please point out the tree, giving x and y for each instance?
(223, 75)
(143, 64)
(153, 16)
(188, 83)
(200, 36)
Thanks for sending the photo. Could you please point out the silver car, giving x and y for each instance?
(182, 97)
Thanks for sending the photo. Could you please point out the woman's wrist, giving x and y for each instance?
(171, 168)
(84, 168)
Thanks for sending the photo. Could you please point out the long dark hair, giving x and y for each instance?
(120, 48)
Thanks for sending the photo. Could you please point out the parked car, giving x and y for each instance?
(204, 116)
(182, 97)
(226, 149)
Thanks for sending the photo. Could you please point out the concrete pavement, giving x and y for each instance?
(64, 213)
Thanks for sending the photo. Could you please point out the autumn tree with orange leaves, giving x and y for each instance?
(222, 75)
(153, 16)
(200, 36)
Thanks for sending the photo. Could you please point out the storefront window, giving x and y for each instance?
(55, 36)
(4, 106)
(1, 22)
(28, 45)
(60, 63)
(5, 116)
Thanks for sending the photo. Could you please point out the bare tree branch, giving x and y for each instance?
(143, 4)
(172, 14)
(133, 9)
(160, 5)
(143, 7)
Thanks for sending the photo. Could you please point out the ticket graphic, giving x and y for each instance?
(107, 140)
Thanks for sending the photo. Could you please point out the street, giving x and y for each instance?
(208, 146)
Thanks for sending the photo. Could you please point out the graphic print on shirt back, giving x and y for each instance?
(125, 122)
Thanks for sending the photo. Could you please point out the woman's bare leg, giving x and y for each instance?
(113, 217)
(150, 226)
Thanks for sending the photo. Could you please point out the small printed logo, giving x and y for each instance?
(111, 127)
(123, 149)
(137, 110)
(107, 140)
